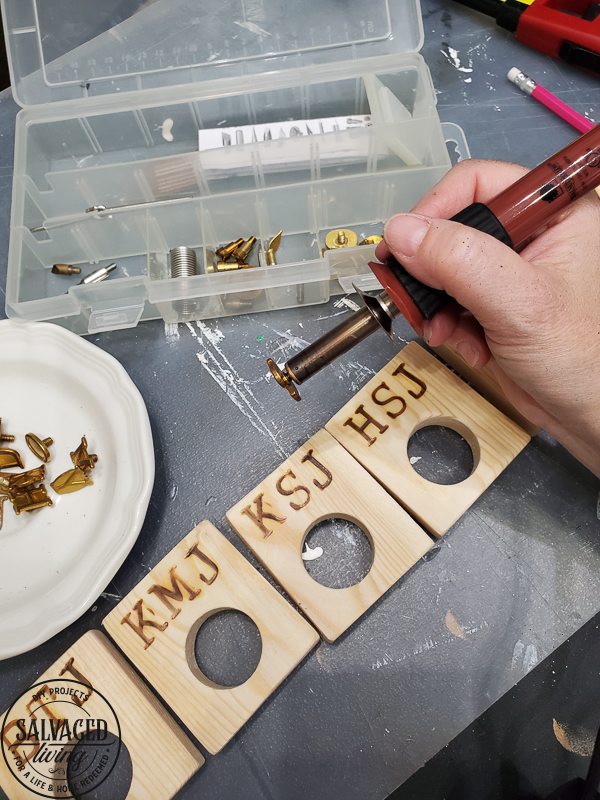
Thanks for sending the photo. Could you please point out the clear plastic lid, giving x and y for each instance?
(75, 49)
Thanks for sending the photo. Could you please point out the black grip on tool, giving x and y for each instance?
(580, 56)
(427, 300)
(510, 14)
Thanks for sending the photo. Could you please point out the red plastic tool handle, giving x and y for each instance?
(545, 25)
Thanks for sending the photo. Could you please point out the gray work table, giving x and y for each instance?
(520, 572)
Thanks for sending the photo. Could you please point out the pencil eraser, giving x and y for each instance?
(513, 74)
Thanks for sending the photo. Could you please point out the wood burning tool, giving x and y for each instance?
(514, 217)
(565, 29)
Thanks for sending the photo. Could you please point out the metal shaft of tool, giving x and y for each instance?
(342, 338)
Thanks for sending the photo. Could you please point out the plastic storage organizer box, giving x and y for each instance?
(113, 103)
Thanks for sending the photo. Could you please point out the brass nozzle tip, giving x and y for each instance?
(283, 379)
(66, 269)
(243, 251)
(225, 252)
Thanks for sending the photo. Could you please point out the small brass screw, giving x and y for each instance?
(342, 237)
(5, 437)
(39, 447)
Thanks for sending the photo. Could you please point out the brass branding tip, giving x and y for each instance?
(283, 379)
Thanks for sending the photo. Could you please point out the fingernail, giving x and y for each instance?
(404, 233)
(427, 331)
(469, 352)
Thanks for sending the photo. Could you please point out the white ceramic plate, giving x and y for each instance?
(55, 562)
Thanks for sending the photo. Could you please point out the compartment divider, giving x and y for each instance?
(90, 135)
(143, 126)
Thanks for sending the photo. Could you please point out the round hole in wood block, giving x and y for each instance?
(87, 766)
(441, 454)
(337, 553)
(228, 647)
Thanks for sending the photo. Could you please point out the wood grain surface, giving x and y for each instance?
(157, 623)
(320, 481)
(162, 756)
(415, 390)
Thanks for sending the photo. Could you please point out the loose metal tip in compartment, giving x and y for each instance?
(342, 237)
(66, 269)
(97, 275)
(243, 251)
(273, 248)
(229, 249)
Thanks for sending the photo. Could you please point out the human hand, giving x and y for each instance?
(535, 316)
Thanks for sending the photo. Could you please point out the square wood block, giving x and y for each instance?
(157, 623)
(415, 390)
(320, 481)
(162, 756)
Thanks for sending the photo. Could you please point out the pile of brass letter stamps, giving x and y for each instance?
(356, 468)
(26, 490)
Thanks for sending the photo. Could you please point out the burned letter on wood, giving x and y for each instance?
(362, 429)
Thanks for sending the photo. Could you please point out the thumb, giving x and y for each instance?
(483, 275)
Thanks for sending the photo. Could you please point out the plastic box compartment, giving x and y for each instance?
(136, 154)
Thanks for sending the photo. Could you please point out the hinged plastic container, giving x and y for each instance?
(114, 94)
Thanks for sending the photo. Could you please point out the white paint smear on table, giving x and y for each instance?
(425, 646)
(451, 54)
(355, 374)
(171, 332)
(221, 370)
(346, 302)
(290, 343)
(524, 656)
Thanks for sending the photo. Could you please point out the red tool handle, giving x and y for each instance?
(416, 301)
(514, 216)
(563, 29)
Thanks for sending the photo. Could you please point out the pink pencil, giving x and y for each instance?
(546, 98)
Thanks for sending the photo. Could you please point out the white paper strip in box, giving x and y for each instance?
(224, 152)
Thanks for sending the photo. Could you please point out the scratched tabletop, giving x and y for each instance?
(513, 578)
